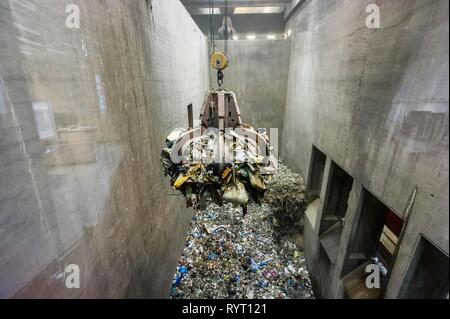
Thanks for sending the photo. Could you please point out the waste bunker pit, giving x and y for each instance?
(229, 255)
(237, 149)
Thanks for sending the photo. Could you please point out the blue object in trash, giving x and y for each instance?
(183, 270)
(178, 281)
(212, 256)
(254, 266)
(263, 283)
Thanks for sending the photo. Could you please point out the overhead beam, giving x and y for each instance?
(236, 3)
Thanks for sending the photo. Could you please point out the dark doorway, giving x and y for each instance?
(374, 240)
(427, 276)
(336, 202)
(190, 116)
(337, 196)
(317, 167)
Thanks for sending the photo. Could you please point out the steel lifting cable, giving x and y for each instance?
(225, 15)
(211, 23)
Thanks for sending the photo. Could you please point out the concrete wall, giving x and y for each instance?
(83, 115)
(258, 74)
(375, 101)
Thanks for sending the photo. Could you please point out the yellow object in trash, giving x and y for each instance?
(180, 181)
(256, 181)
(226, 172)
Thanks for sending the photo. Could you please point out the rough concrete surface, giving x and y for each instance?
(110, 90)
(375, 101)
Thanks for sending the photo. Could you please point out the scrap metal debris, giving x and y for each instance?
(228, 255)
(197, 174)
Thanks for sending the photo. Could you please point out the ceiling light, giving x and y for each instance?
(289, 32)
(256, 10)
(271, 37)
(251, 37)
(203, 11)
(235, 37)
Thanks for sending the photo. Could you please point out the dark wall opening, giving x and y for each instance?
(337, 196)
(190, 116)
(375, 235)
(317, 167)
(427, 276)
(336, 202)
(374, 239)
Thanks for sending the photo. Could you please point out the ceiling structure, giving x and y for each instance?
(265, 6)
(250, 18)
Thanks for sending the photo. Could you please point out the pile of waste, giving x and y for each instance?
(286, 197)
(228, 255)
(196, 168)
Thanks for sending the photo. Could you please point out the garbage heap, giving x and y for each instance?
(286, 197)
(228, 255)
